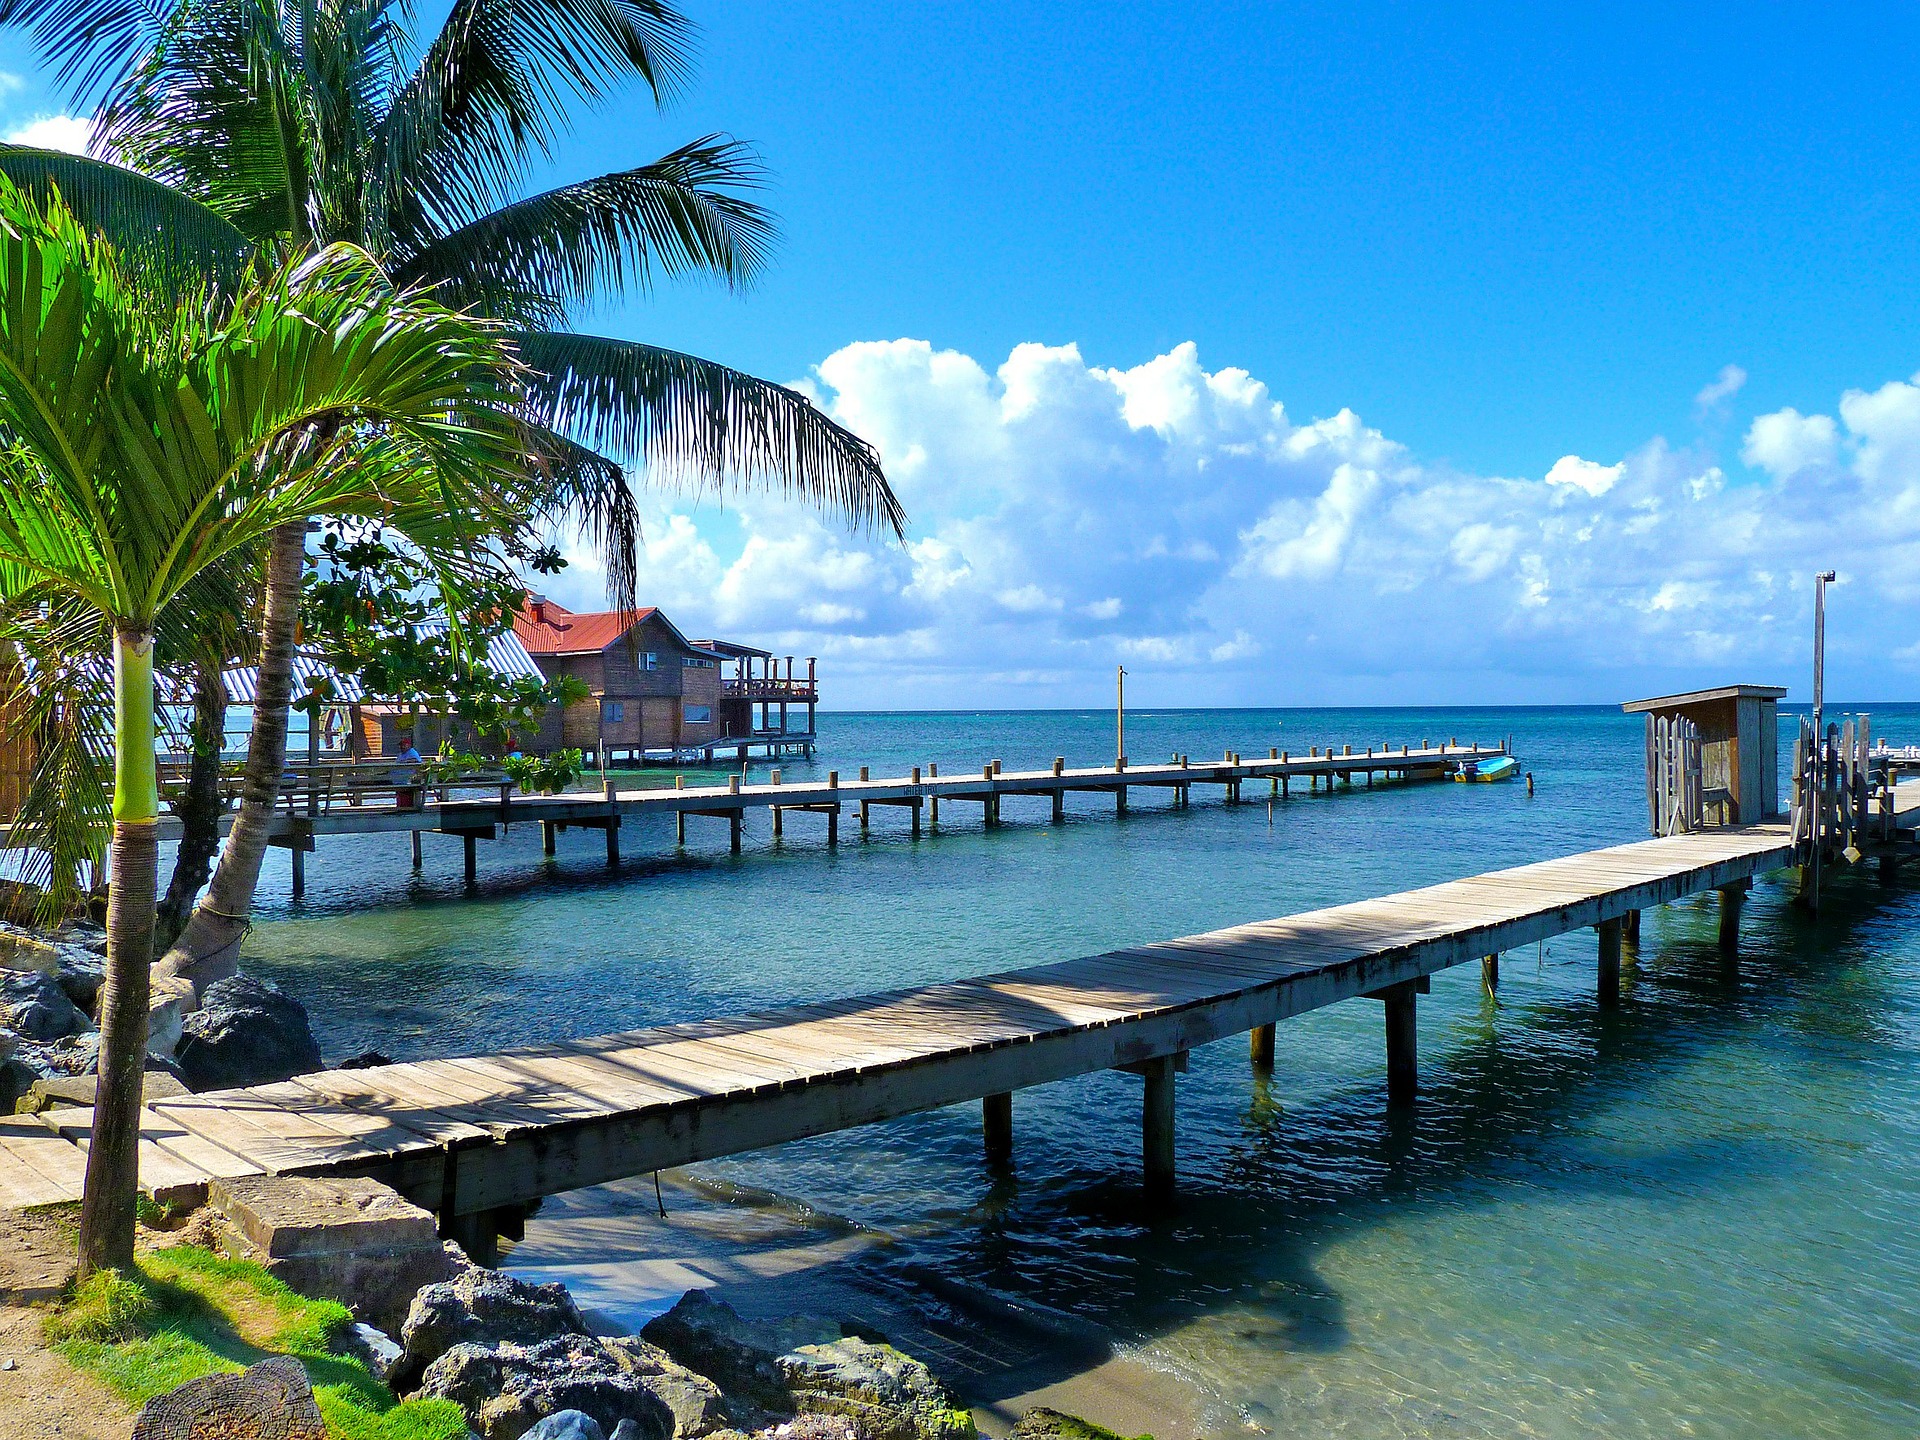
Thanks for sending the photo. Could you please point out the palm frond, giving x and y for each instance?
(679, 215)
(161, 228)
(701, 425)
(90, 42)
(492, 90)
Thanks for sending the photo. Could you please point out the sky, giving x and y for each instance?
(1306, 354)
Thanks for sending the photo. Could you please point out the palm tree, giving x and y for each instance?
(146, 440)
(297, 122)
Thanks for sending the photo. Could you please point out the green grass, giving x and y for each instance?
(189, 1312)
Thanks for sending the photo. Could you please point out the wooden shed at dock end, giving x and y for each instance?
(1740, 746)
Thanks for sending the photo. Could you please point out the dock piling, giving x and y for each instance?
(470, 857)
(734, 826)
(1156, 1126)
(996, 1127)
(1490, 974)
(547, 837)
(414, 837)
(1609, 962)
(613, 842)
(1733, 899)
(1261, 1046)
(1403, 1038)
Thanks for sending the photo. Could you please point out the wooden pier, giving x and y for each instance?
(312, 807)
(477, 1139)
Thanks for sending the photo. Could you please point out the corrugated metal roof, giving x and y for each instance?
(505, 656)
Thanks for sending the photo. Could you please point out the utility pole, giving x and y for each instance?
(1120, 718)
(1817, 797)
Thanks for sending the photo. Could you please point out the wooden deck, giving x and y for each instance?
(471, 1138)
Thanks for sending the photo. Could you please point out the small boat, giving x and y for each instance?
(1500, 767)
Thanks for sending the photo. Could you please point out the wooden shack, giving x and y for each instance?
(1713, 756)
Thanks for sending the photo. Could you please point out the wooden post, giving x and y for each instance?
(1261, 1038)
(300, 869)
(1630, 927)
(547, 837)
(471, 848)
(996, 1125)
(1733, 899)
(734, 827)
(833, 825)
(613, 841)
(1120, 800)
(1609, 962)
(863, 817)
(1059, 807)
(1156, 1126)
(916, 817)
(1403, 1042)
(1490, 974)
(414, 836)
(778, 811)
(679, 827)
(474, 1234)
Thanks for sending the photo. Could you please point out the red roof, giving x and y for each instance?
(549, 629)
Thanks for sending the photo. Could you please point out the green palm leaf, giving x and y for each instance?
(701, 423)
(161, 227)
(533, 257)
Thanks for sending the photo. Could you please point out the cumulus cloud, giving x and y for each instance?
(50, 132)
(1787, 442)
(1068, 516)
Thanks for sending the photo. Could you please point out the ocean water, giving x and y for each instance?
(1694, 1217)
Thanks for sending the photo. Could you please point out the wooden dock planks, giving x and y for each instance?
(483, 1132)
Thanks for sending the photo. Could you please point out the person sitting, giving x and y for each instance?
(406, 774)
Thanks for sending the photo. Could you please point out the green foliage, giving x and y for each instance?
(189, 1312)
(376, 610)
(1046, 1424)
(545, 774)
(107, 1308)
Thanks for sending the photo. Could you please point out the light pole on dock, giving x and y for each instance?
(1817, 786)
(1120, 718)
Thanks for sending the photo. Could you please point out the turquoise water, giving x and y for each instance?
(1693, 1218)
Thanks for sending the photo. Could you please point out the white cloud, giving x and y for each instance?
(52, 132)
(1585, 475)
(1066, 517)
(1787, 442)
(1714, 395)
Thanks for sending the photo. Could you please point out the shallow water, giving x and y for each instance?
(1695, 1218)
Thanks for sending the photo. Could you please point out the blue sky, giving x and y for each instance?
(1430, 264)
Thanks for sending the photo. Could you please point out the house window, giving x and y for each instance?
(650, 662)
(613, 711)
(698, 714)
(695, 663)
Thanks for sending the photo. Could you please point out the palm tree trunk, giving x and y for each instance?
(113, 1154)
(199, 809)
(209, 948)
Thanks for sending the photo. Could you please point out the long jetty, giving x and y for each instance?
(478, 1139)
(312, 806)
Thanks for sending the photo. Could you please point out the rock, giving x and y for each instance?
(804, 1366)
(21, 949)
(9, 1043)
(1045, 1424)
(246, 1032)
(355, 1241)
(696, 1402)
(568, 1425)
(505, 1389)
(32, 1003)
(272, 1401)
(364, 1060)
(482, 1308)
(82, 974)
(168, 1006)
(376, 1349)
(709, 1337)
(892, 1396)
